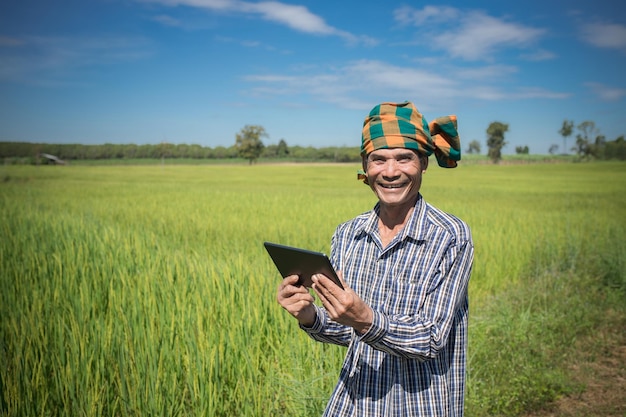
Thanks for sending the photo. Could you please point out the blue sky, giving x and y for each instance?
(198, 71)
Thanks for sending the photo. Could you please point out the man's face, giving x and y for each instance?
(395, 175)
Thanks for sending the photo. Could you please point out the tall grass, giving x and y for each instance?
(146, 290)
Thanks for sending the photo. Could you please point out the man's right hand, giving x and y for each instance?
(297, 300)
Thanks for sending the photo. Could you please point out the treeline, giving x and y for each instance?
(601, 149)
(36, 153)
(26, 152)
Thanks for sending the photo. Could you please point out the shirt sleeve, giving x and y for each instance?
(328, 331)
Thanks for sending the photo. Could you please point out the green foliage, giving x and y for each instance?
(473, 147)
(590, 144)
(614, 150)
(566, 131)
(521, 150)
(495, 140)
(602, 149)
(553, 148)
(248, 142)
(525, 339)
(76, 152)
(145, 290)
(282, 149)
(18, 153)
(584, 140)
(544, 279)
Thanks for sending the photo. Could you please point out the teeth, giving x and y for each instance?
(391, 185)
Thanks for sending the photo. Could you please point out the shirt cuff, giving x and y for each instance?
(377, 330)
(318, 324)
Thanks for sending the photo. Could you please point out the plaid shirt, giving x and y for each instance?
(411, 362)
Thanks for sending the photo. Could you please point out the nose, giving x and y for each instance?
(391, 168)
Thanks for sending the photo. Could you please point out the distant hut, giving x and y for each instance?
(52, 159)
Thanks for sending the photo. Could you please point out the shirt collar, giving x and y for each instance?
(414, 227)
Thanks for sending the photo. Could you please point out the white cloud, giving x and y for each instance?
(479, 36)
(488, 73)
(250, 43)
(385, 77)
(296, 17)
(471, 35)
(408, 15)
(208, 4)
(357, 84)
(52, 60)
(606, 93)
(538, 55)
(167, 20)
(536, 92)
(605, 35)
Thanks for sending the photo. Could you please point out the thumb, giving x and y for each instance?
(343, 282)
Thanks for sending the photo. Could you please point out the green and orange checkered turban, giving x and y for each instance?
(401, 125)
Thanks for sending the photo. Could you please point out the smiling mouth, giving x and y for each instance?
(392, 186)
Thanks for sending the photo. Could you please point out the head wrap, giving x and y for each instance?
(401, 125)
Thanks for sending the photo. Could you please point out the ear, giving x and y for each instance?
(424, 163)
(364, 162)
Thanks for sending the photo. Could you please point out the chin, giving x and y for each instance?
(397, 199)
(392, 200)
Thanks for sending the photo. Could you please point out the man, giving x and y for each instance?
(405, 267)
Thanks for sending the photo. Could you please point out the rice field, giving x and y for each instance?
(146, 290)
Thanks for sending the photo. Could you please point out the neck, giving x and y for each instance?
(392, 219)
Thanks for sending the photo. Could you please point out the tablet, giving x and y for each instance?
(302, 262)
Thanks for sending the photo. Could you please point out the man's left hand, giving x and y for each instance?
(343, 306)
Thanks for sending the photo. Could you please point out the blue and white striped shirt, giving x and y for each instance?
(411, 361)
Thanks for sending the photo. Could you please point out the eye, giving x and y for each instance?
(377, 160)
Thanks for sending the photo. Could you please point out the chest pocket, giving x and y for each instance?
(408, 287)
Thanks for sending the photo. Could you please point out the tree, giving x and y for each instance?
(521, 150)
(165, 150)
(566, 130)
(248, 142)
(473, 147)
(616, 149)
(495, 140)
(553, 148)
(283, 149)
(585, 145)
(599, 146)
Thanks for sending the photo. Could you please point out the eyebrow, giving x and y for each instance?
(407, 154)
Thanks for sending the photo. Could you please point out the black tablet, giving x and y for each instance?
(302, 262)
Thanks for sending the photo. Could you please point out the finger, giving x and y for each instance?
(327, 288)
(293, 296)
(290, 291)
(323, 281)
(325, 293)
(290, 284)
(295, 304)
(343, 282)
(328, 305)
(289, 280)
(294, 300)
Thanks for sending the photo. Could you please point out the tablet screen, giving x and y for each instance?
(302, 262)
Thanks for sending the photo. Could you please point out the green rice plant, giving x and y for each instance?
(145, 290)
(525, 335)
